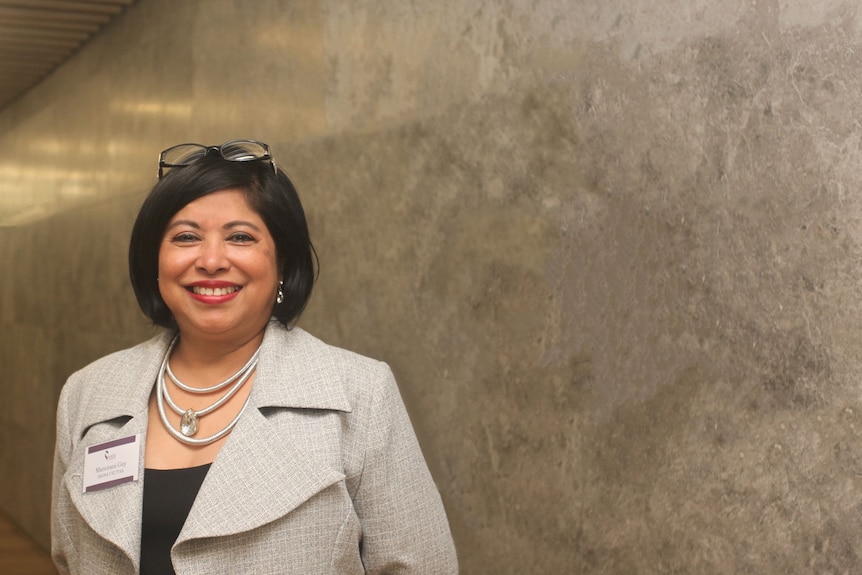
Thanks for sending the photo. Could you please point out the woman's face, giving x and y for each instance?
(218, 270)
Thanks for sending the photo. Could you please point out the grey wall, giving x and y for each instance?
(610, 248)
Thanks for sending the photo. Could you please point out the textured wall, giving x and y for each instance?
(610, 247)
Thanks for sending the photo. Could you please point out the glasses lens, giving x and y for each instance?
(243, 151)
(183, 155)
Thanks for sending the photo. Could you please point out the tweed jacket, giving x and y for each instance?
(322, 474)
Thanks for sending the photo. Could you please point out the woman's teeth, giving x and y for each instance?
(214, 291)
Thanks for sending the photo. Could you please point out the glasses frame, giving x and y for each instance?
(267, 155)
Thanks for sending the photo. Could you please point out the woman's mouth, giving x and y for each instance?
(198, 290)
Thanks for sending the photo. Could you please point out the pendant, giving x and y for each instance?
(189, 423)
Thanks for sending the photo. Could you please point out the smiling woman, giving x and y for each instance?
(217, 266)
(233, 406)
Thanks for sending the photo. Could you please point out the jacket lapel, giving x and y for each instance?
(118, 409)
(257, 477)
(262, 473)
(114, 513)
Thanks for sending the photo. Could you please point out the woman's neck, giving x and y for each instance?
(205, 357)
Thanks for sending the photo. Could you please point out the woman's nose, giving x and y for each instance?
(212, 257)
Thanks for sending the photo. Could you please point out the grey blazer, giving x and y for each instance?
(322, 474)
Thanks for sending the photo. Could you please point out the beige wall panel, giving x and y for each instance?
(610, 248)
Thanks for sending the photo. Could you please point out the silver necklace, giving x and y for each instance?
(189, 417)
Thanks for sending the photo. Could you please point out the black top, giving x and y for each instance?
(168, 498)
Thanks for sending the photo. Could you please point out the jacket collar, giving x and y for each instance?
(291, 373)
(288, 375)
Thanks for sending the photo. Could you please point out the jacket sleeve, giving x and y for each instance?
(404, 525)
(60, 541)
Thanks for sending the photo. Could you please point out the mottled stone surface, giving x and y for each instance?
(610, 248)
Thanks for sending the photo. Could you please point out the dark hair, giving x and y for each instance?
(269, 194)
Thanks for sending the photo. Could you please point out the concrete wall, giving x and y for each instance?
(611, 249)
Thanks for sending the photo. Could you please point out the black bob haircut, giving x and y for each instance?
(271, 195)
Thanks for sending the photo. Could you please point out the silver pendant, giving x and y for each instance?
(189, 423)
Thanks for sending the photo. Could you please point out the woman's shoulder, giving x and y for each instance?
(125, 361)
(117, 374)
(116, 384)
(317, 368)
(306, 348)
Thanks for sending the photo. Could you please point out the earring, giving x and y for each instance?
(279, 294)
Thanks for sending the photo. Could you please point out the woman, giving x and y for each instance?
(232, 442)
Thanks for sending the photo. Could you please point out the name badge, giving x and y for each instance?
(111, 463)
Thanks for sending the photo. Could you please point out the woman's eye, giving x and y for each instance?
(241, 238)
(185, 237)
